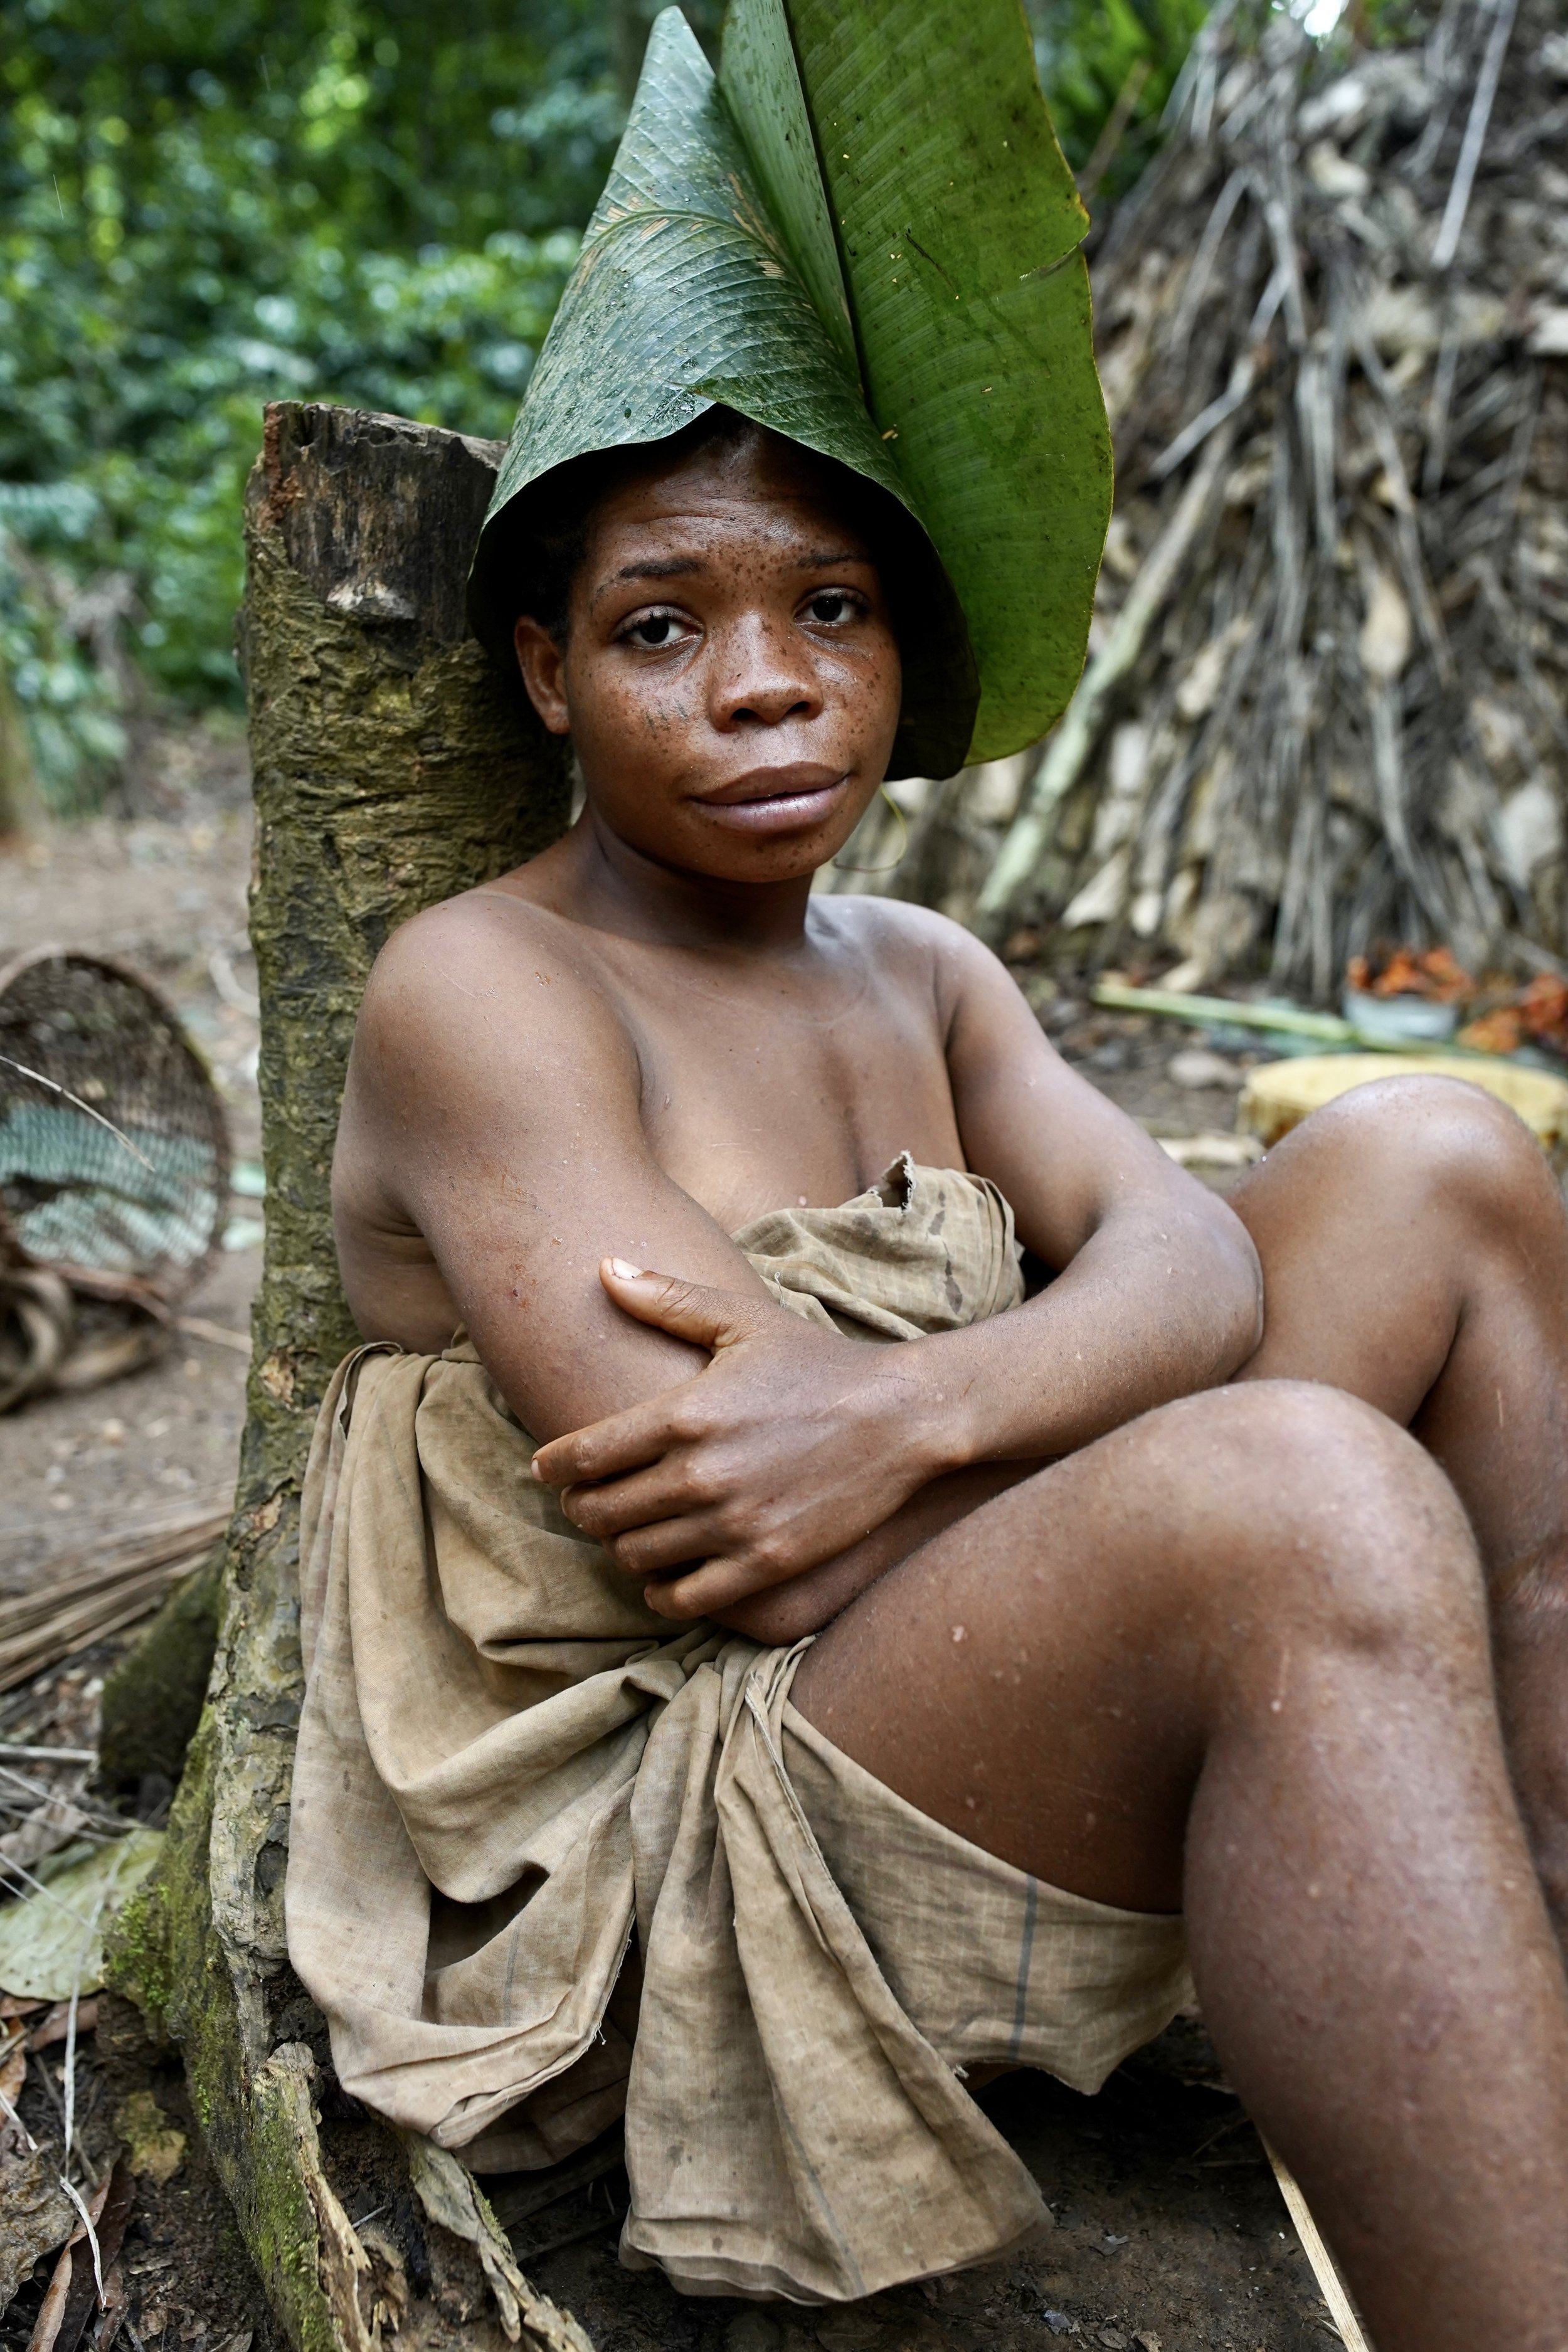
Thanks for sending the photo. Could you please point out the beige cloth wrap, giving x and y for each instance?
(505, 1762)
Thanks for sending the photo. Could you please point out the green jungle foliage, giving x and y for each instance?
(202, 207)
(1090, 52)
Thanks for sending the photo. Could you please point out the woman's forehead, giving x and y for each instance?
(776, 498)
(756, 485)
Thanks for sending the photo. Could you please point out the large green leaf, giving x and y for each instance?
(958, 226)
(686, 296)
(762, 81)
(864, 236)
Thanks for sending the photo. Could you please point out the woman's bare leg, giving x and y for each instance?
(1414, 1252)
(1234, 1657)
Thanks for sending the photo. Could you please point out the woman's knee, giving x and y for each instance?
(1458, 1147)
(1303, 1507)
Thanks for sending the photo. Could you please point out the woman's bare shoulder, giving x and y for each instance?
(483, 943)
(485, 981)
(917, 941)
(486, 921)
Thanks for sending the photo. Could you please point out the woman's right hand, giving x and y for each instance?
(787, 1613)
(787, 1453)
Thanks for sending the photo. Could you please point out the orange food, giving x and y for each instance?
(1432, 972)
(1543, 1009)
(1494, 1033)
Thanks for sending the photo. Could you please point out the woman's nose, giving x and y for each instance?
(761, 679)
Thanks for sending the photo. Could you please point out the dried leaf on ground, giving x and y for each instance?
(51, 1941)
(51, 1826)
(85, 2260)
(55, 2024)
(106, 2324)
(35, 2214)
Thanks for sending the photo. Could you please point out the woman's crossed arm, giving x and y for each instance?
(799, 1465)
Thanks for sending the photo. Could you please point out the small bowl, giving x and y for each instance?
(1400, 1020)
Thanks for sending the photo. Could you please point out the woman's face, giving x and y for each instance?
(729, 678)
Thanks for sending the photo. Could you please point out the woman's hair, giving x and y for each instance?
(559, 516)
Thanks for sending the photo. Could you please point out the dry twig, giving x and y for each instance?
(84, 1595)
(1325, 2269)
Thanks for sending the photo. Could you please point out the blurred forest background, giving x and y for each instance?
(205, 206)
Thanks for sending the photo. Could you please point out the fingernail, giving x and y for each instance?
(534, 1471)
(627, 1273)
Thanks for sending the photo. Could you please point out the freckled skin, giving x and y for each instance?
(1233, 1648)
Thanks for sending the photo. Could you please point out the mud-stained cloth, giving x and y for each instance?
(513, 1787)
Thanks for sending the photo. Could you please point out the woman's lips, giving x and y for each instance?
(775, 800)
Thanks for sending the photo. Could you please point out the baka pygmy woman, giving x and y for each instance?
(767, 1659)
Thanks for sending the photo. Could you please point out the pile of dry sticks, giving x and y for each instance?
(103, 1586)
(1326, 701)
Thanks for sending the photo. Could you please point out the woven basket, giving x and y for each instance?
(115, 1170)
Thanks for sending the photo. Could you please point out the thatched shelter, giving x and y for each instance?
(1327, 695)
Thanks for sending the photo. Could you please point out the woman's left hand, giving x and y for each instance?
(790, 1448)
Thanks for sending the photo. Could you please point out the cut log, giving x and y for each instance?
(392, 768)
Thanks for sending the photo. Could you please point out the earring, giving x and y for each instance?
(904, 841)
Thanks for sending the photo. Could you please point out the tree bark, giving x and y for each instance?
(392, 768)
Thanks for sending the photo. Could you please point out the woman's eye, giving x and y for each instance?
(829, 606)
(655, 632)
(656, 629)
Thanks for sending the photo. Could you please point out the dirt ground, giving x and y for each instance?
(1166, 2233)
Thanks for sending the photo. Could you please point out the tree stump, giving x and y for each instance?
(392, 768)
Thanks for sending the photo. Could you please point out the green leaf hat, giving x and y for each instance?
(863, 235)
